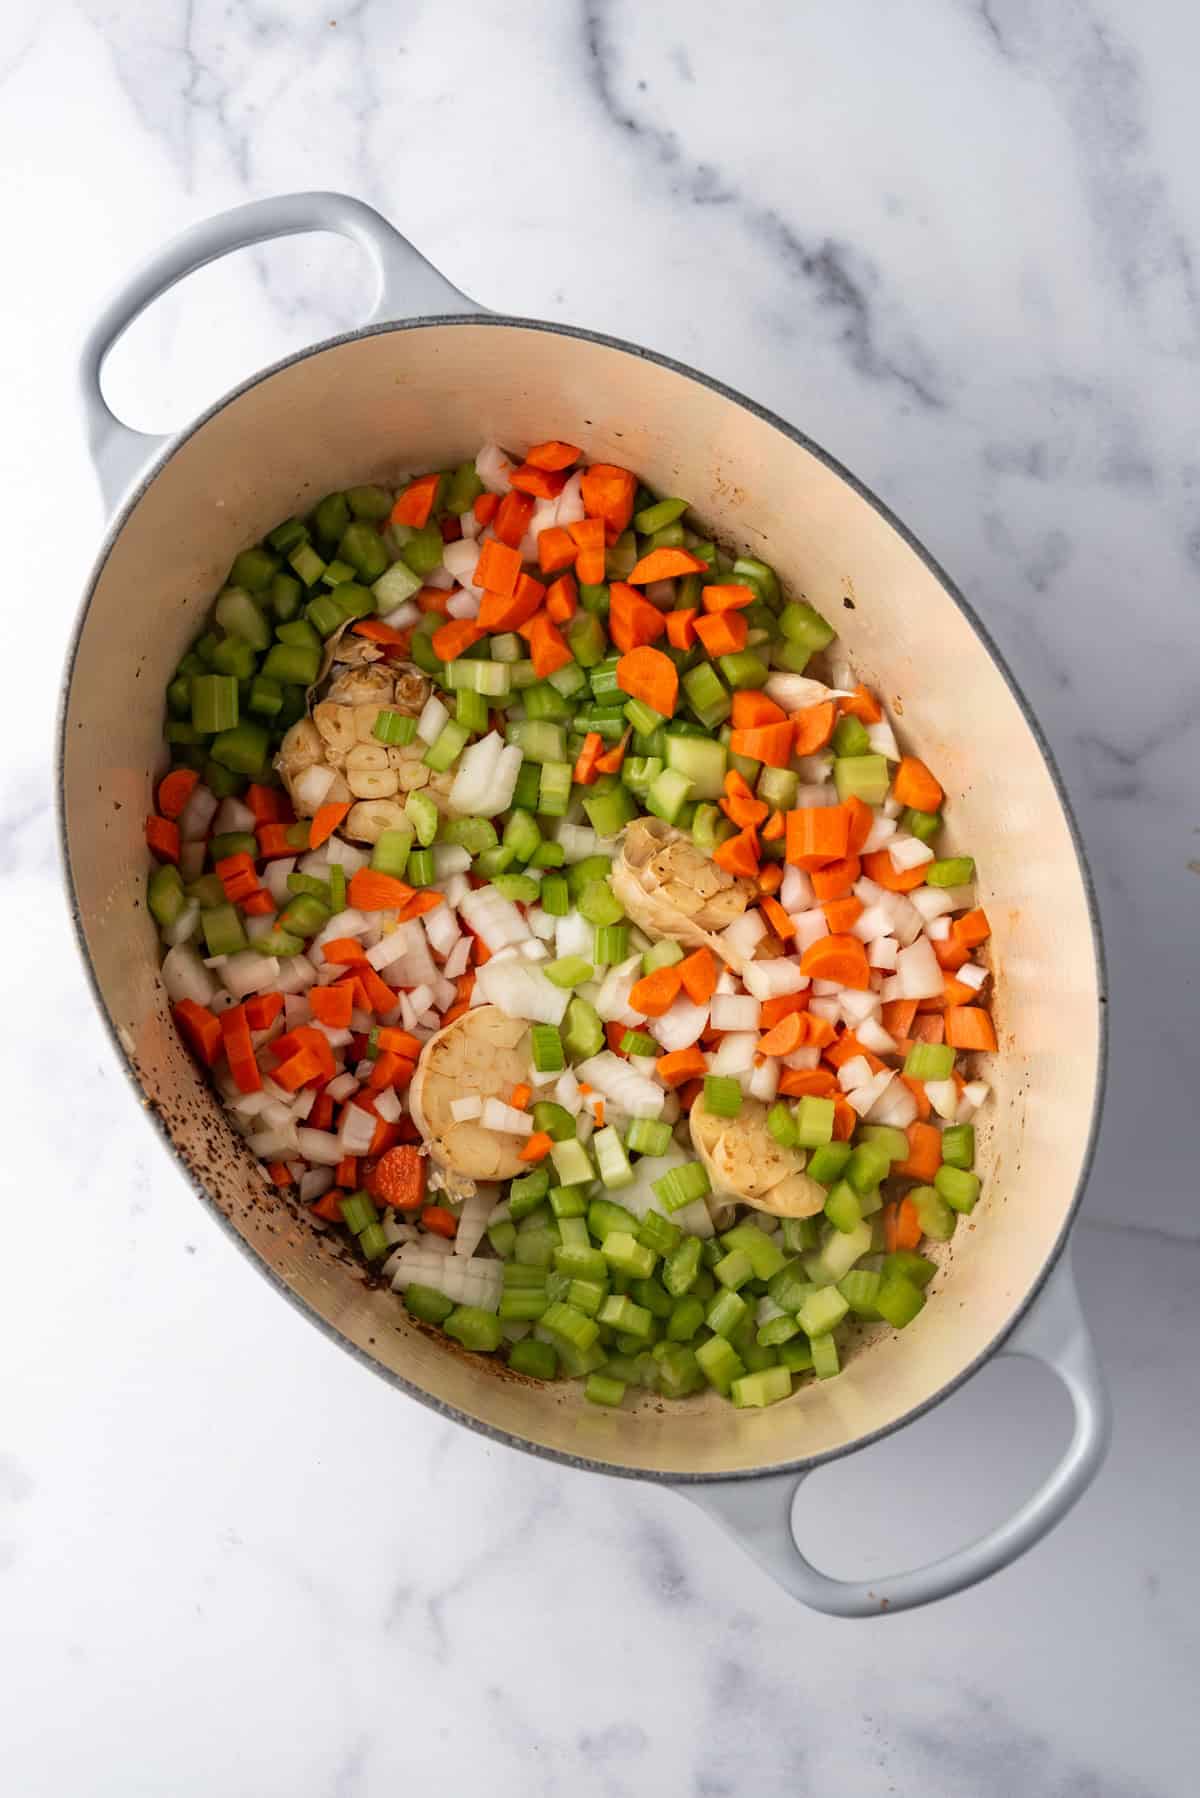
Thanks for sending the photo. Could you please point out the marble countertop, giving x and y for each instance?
(958, 244)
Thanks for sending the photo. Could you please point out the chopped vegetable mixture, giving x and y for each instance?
(560, 919)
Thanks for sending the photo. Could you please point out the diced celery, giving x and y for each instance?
(583, 1035)
(572, 1163)
(936, 1216)
(702, 761)
(821, 1312)
(868, 1165)
(719, 1363)
(647, 1136)
(893, 1142)
(958, 1145)
(864, 777)
(898, 1301)
(535, 1359)
(722, 1095)
(611, 1158)
(824, 1357)
(725, 1313)
(623, 1251)
(842, 1207)
(555, 1120)
(765, 1388)
(957, 1186)
(954, 871)
(859, 1288)
(706, 695)
(803, 624)
(814, 1123)
(929, 1061)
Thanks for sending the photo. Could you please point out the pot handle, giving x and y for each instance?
(407, 285)
(758, 1513)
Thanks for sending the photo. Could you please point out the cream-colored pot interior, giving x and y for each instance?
(403, 399)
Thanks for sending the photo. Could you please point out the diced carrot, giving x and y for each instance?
(666, 565)
(835, 879)
(655, 993)
(453, 639)
(274, 840)
(498, 568)
(840, 914)
(681, 1065)
(817, 835)
(970, 1027)
(615, 1035)
(174, 791)
(386, 1069)
(239, 1050)
(845, 1119)
(332, 1005)
(632, 621)
(770, 878)
(698, 973)
(398, 1179)
(927, 1027)
(800, 1083)
(649, 675)
(681, 629)
(329, 1206)
(957, 992)
(772, 1011)
(778, 919)
(588, 536)
(732, 597)
(439, 1220)
(769, 743)
(377, 993)
(897, 1015)
(722, 633)
(264, 1008)
(419, 905)
(914, 785)
(752, 709)
(512, 518)
(608, 494)
(268, 804)
(812, 727)
(863, 705)
(562, 599)
(547, 648)
(320, 1116)
(298, 1070)
(917, 1089)
(484, 508)
(500, 612)
(306, 1036)
(901, 1225)
(537, 1147)
(848, 1048)
(281, 1173)
(740, 803)
(738, 855)
(386, 635)
(237, 875)
(371, 891)
(553, 454)
(451, 528)
(589, 755)
(258, 905)
(951, 954)
(345, 951)
(416, 502)
(785, 1037)
(879, 867)
(861, 819)
(840, 958)
(346, 1172)
(541, 483)
(162, 837)
(433, 599)
(774, 828)
(971, 929)
(200, 1030)
(556, 549)
(325, 821)
(612, 759)
(924, 1156)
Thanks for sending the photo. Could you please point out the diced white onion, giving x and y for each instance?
(734, 1053)
(734, 1013)
(628, 1090)
(896, 1106)
(882, 739)
(462, 559)
(803, 1059)
(872, 1035)
(464, 604)
(506, 1118)
(356, 1130)
(441, 578)
(854, 1073)
(247, 972)
(938, 930)
(566, 1092)
(745, 933)
(467, 1280)
(520, 990)
(387, 1104)
(882, 952)
(856, 1006)
(612, 999)
(316, 1181)
(337, 849)
(573, 935)
(321, 1146)
(493, 467)
(473, 1222)
(829, 1009)
(908, 852)
(342, 1086)
(972, 975)
(796, 893)
(312, 786)
(570, 508)
(680, 1026)
(773, 978)
(494, 919)
(275, 878)
(185, 925)
(185, 976)
(811, 926)
(864, 1099)
(486, 777)
(459, 956)
(198, 813)
(763, 1081)
(882, 831)
(433, 716)
(943, 1096)
(468, 1107)
(191, 859)
(918, 972)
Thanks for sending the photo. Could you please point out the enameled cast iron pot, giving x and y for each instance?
(421, 386)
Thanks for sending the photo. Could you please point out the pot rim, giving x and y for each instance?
(174, 441)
